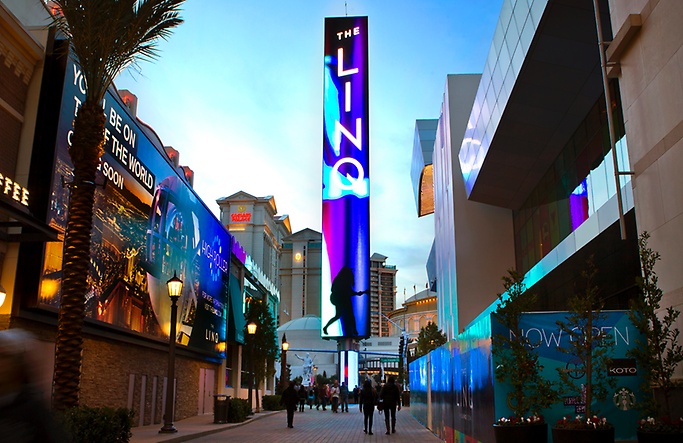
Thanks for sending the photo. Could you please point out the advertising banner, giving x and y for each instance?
(148, 224)
(345, 297)
(619, 408)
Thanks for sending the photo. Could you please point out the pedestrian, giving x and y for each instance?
(323, 392)
(391, 396)
(311, 396)
(344, 397)
(316, 395)
(302, 398)
(24, 414)
(289, 400)
(367, 399)
(356, 392)
(334, 396)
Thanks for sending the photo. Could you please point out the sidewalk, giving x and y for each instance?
(310, 426)
(189, 429)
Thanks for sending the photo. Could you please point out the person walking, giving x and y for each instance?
(344, 397)
(290, 399)
(25, 416)
(324, 393)
(356, 392)
(367, 399)
(334, 396)
(316, 395)
(302, 398)
(310, 392)
(391, 396)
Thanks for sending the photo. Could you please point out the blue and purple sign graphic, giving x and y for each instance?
(148, 224)
(345, 304)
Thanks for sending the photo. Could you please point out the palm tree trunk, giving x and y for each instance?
(86, 149)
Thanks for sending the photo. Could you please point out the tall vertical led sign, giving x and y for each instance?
(345, 298)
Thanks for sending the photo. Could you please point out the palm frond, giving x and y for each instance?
(109, 35)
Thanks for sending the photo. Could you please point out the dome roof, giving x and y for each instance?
(308, 322)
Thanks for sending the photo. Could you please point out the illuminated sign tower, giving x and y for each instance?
(345, 298)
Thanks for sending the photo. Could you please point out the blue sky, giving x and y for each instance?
(237, 90)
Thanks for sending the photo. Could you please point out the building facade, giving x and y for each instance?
(255, 224)
(382, 294)
(144, 228)
(560, 159)
(412, 316)
(300, 272)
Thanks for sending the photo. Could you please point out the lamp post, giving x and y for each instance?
(251, 330)
(285, 346)
(175, 288)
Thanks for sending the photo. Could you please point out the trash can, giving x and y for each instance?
(220, 408)
(405, 398)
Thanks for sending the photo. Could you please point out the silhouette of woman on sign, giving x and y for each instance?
(340, 297)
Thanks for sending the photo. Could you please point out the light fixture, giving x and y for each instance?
(251, 328)
(284, 375)
(175, 288)
(297, 256)
(3, 294)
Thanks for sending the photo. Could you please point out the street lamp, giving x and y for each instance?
(251, 330)
(175, 288)
(285, 346)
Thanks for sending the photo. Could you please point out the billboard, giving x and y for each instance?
(345, 297)
(546, 336)
(147, 225)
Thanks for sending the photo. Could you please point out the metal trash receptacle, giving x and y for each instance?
(220, 408)
(405, 398)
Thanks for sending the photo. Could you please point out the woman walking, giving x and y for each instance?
(367, 401)
(391, 396)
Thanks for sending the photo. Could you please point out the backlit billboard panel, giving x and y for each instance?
(148, 224)
(345, 297)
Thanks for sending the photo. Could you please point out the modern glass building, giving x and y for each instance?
(528, 173)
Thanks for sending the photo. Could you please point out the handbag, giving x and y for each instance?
(380, 405)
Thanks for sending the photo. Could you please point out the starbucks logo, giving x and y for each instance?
(624, 399)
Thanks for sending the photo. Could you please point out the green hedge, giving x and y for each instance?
(99, 425)
(272, 402)
(238, 410)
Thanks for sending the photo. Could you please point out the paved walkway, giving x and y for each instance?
(309, 426)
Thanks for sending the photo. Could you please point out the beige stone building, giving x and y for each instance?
(300, 273)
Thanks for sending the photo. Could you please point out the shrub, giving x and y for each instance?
(272, 403)
(238, 410)
(99, 425)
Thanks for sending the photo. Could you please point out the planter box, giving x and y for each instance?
(537, 433)
(659, 437)
(561, 435)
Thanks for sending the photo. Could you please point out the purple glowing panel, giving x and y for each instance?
(578, 205)
(345, 297)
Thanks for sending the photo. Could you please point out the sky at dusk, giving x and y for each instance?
(238, 89)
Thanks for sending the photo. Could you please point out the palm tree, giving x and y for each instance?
(106, 37)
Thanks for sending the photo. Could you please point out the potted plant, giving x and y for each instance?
(657, 355)
(589, 348)
(517, 365)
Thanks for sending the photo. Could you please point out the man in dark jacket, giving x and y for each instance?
(391, 396)
(290, 399)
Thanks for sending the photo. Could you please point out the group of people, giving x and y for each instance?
(387, 400)
(336, 396)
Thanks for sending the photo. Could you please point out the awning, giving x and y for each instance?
(32, 228)
(236, 321)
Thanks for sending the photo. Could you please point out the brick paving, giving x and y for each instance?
(309, 426)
